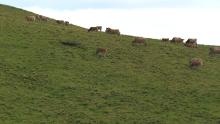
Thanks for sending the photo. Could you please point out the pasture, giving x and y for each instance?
(43, 80)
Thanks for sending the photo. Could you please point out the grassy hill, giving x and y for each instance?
(43, 81)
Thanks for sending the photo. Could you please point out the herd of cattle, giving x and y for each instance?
(34, 18)
(191, 43)
(101, 52)
(108, 30)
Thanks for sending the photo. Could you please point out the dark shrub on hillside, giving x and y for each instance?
(71, 43)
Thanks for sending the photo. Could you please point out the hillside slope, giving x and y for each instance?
(43, 81)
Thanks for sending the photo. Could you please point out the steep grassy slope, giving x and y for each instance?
(43, 81)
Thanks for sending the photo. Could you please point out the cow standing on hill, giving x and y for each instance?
(99, 28)
(196, 62)
(60, 22)
(192, 43)
(101, 52)
(112, 31)
(139, 41)
(66, 23)
(214, 50)
(93, 29)
(30, 18)
(42, 18)
(177, 40)
(165, 39)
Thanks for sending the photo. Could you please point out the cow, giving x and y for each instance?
(214, 50)
(196, 62)
(60, 22)
(93, 29)
(38, 17)
(192, 43)
(41, 18)
(139, 41)
(66, 23)
(99, 28)
(177, 40)
(165, 39)
(101, 52)
(112, 31)
(30, 18)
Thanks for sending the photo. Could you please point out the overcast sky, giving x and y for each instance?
(149, 18)
(82, 4)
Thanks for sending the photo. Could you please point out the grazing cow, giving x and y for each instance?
(139, 41)
(196, 62)
(99, 28)
(60, 22)
(214, 50)
(165, 39)
(112, 31)
(66, 23)
(192, 43)
(41, 18)
(101, 52)
(30, 18)
(93, 29)
(38, 17)
(177, 40)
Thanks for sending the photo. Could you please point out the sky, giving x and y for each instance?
(120, 4)
(148, 18)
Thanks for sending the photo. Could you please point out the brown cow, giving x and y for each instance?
(30, 18)
(42, 18)
(192, 43)
(101, 52)
(139, 41)
(177, 40)
(93, 29)
(214, 50)
(38, 17)
(165, 39)
(112, 31)
(60, 22)
(196, 62)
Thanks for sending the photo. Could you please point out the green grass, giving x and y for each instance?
(43, 81)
